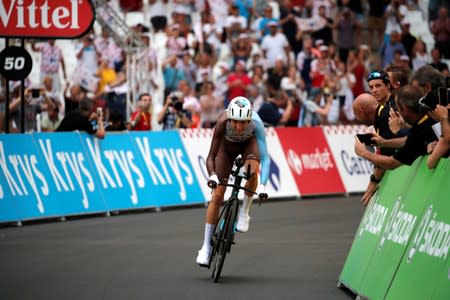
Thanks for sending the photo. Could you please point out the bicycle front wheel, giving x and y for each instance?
(222, 243)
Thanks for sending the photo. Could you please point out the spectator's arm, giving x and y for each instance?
(185, 120)
(161, 115)
(100, 133)
(287, 113)
(441, 148)
(48, 103)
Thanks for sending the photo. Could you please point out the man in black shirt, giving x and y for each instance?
(420, 135)
(83, 119)
(270, 113)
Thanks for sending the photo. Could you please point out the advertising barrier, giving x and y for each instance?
(424, 269)
(372, 225)
(47, 175)
(310, 160)
(401, 247)
(353, 170)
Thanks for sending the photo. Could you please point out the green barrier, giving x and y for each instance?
(377, 266)
(398, 230)
(424, 269)
(370, 229)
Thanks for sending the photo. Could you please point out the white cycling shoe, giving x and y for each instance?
(243, 222)
(203, 257)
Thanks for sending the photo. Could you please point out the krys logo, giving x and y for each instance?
(46, 18)
(319, 160)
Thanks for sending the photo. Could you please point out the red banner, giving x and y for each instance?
(46, 18)
(311, 160)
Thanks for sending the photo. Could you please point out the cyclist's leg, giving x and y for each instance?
(251, 156)
(224, 161)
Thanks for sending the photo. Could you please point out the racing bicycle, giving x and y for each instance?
(223, 236)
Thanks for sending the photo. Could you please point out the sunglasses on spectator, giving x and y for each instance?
(378, 75)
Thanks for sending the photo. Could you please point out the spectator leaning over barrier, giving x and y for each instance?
(368, 112)
(141, 119)
(83, 119)
(442, 147)
(421, 134)
(380, 85)
(270, 111)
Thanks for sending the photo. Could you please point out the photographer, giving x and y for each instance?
(172, 115)
(83, 119)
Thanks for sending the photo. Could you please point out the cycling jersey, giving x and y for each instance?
(227, 144)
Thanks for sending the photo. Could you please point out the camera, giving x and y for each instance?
(35, 93)
(176, 103)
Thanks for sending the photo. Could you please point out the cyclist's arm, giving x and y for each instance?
(219, 134)
(260, 134)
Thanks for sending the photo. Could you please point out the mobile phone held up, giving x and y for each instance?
(366, 139)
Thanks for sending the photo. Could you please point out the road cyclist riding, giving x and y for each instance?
(239, 131)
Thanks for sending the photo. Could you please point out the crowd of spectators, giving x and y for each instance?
(300, 62)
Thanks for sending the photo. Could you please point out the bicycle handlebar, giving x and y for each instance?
(262, 196)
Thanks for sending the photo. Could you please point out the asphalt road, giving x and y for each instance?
(293, 250)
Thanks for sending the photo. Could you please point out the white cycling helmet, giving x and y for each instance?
(240, 109)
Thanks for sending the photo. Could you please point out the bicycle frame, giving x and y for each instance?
(223, 236)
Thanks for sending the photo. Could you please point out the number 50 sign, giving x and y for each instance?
(15, 63)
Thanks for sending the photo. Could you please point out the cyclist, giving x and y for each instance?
(239, 130)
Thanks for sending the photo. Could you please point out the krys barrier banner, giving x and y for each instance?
(169, 178)
(354, 170)
(424, 269)
(373, 224)
(310, 160)
(71, 176)
(281, 182)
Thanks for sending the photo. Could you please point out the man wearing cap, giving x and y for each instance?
(384, 138)
(275, 46)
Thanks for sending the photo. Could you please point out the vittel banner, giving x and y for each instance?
(310, 160)
(354, 170)
(46, 18)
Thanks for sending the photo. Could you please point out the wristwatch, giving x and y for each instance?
(373, 179)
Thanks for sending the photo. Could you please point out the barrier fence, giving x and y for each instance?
(400, 250)
(401, 247)
(47, 175)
